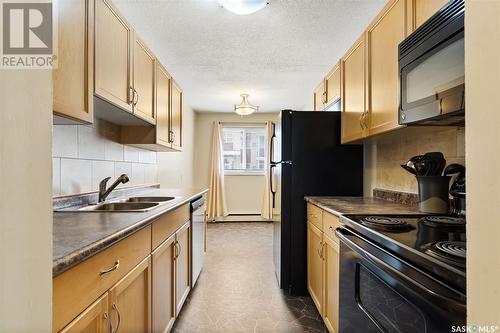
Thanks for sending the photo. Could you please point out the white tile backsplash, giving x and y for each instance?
(76, 176)
(137, 175)
(65, 141)
(85, 154)
(90, 143)
(130, 154)
(113, 151)
(101, 170)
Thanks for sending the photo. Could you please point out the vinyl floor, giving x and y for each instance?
(237, 289)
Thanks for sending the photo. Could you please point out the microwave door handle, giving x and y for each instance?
(403, 279)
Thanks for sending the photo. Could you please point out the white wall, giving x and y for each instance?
(25, 201)
(482, 79)
(243, 193)
(175, 169)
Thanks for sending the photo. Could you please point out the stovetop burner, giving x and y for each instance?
(452, 252)
(443, 221)
(386, 223)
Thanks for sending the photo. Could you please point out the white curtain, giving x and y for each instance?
(216, 195)
(267, 198)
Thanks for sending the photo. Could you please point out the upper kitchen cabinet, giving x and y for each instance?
(113, 38)
(421, 10)
(354, 110)
(176, 116)
(143, 80)
(74, 76)
(319, 97)
(167, 133)
(333, 85)
(383, 37)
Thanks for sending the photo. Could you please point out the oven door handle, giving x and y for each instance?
(344, 236)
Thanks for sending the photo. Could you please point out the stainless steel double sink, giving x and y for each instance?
(132, 204)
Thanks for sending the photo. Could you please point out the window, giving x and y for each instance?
(244, 149)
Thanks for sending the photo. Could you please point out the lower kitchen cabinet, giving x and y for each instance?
(164, 286)
(93, 320)
(127, 287)
(323, 262)
(130, 300)
(182, 265)
(331, 265)
(315, 265)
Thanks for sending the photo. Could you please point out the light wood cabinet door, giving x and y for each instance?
(315, 265)
(112, 56)
(130, 300)
(333, 85)
(182, 265)
(162, 106)
(320, 97)
(163, 288)
(383, 38)
(176, 116)
(144, 80)
(353, 71)
(95, 319)
(74, 76)
(422, 10)
(331, 255)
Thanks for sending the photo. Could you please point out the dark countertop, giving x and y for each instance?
(360, 205)
(78, 236)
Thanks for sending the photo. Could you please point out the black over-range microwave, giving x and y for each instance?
(432, 70)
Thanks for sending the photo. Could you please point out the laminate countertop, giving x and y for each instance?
(78, 236)
(360, 205)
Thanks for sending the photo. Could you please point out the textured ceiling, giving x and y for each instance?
(276, 55)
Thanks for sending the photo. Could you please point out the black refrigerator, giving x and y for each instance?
(307, 158)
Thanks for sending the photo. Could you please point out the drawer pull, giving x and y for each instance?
(109, 270)
(331, 228)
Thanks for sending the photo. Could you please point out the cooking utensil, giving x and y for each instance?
(454, 169)
(435, 163)
(419, 164)
(409, 169)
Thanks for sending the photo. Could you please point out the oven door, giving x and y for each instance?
(381, 293)
(432, 70)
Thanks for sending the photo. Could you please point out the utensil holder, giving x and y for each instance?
(433, 194)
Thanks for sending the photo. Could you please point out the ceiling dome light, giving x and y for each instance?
(243, 7)
(245, 108)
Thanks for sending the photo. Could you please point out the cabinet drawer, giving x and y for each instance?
(75, 289)
(168, 224)
(330, 224)
(314, 215)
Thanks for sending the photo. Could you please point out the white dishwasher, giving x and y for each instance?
(198, 221)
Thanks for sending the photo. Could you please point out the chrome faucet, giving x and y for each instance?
(103, 193)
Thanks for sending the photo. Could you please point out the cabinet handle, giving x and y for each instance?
(131, 95)
(362, 121)
(111, 269)
(324, 97)
(114, 307)
(331, 228)
(136, 97)
(176, 250)
(173, 136)
(320, 253)
(110, 325)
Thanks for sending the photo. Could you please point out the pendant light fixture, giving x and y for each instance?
(245, 108)
(243, 7)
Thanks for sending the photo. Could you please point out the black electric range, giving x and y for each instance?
(434, 243)
(406, 273)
